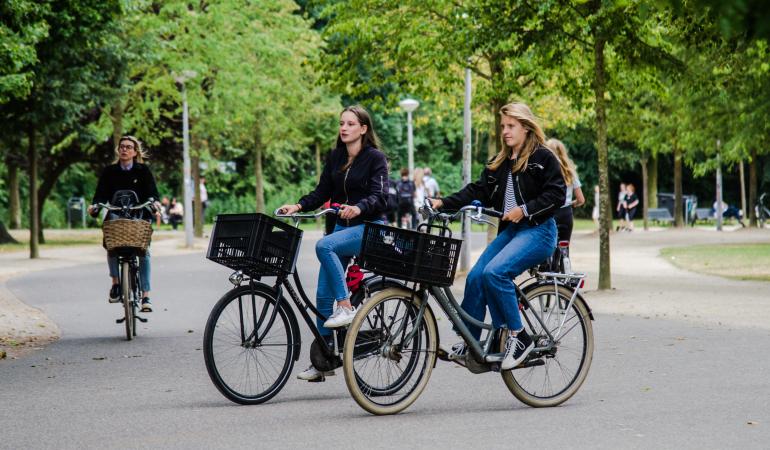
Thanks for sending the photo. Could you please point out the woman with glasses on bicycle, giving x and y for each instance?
(128, 172)
(525, 182)
(355, 175)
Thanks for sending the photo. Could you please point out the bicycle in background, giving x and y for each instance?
(392, 344)
(127, 234)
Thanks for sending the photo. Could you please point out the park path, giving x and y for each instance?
(24, 328)
(647, 286)
(644, 284)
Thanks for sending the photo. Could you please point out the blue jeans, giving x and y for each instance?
(144, 269)
(334, 252)
(490, 282)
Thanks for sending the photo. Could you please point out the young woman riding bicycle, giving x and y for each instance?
(525, 182)
(355, 175)
(128, 172)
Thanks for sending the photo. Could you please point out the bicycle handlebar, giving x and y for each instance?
(297, 216)
(149, 205)
(476, 206)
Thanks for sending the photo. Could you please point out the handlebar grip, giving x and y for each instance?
(492, 212)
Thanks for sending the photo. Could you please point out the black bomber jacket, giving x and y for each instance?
(364, 184)
(541, 188)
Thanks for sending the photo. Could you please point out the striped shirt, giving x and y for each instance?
(510, 196)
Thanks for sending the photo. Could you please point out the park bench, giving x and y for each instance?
(659, 215)
(702, 214)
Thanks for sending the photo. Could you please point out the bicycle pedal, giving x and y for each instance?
(121, 320)
(317, 380)
(141, 319)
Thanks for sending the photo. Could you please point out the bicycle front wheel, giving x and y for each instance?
(127, 293)
(389, 352)
(249, 344)
(559, 364)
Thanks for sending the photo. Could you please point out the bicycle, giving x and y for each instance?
(399, 321)
(127, 236)
(252, 336)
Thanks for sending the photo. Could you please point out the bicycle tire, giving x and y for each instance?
(127, 292)
(137, 298)
(276, 357)
(391, 395)
(540, 392)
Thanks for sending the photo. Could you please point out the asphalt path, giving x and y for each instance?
(653, 383)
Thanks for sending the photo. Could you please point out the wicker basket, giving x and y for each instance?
(121, 233)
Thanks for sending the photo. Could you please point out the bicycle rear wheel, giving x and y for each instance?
(385, 371)
(127, 293)
(555, 370)
(250, 367)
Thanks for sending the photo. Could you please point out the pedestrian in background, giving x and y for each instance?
(431, 185)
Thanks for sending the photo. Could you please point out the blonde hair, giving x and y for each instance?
(565, 163)
(141, 155)
(418, 175)
(535, 136)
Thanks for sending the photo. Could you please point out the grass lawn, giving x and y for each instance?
(737, 261)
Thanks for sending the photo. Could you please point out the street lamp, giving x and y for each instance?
(187, 184)
(409, 105)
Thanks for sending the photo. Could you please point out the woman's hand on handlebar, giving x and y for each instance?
(349, 211)
(515, 215)
(93, 210)
(289, 209)
(435, 203)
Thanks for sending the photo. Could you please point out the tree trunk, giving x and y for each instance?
(605, 207)
(744, 207)
(195, 161)
(14, 200)
(645, 191)
(652, 182)
(260, 188)
(678, 202)
(34, 218)
(5, 236)
(753, 187)
(319, 220)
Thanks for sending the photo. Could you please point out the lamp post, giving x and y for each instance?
(187, 184)
(409, 105)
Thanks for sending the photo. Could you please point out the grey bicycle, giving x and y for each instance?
(394, 335)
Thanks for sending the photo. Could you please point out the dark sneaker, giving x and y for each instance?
(516, 350)
(114, 294)
(146, 305)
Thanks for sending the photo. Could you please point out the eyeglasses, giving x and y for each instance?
(126, 146)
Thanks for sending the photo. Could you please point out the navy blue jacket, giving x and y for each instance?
(364, 184)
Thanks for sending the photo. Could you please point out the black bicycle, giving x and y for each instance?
(393, 339)
(252, 336)
(127, 235)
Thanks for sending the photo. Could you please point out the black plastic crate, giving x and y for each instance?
(410, 255)
(257, 244)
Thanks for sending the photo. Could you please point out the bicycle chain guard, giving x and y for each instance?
(320, 360)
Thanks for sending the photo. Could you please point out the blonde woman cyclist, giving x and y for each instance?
(524, 181)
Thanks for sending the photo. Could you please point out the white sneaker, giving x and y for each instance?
(341, 317)
(517, 348)
(313, 374)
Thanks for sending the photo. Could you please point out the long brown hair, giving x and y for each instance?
(565, 163)
(535, 136)
(369, 139)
